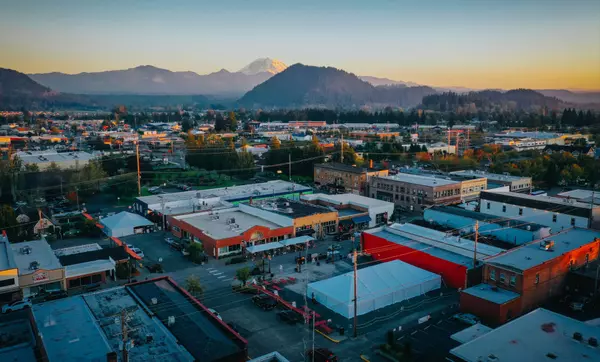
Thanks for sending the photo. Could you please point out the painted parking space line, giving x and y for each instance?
(222, 276)
(226, 280)
(213, 271)
(215, 274)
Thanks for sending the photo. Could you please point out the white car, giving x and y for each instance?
(215, 313)
(16, 305)
(138, 251)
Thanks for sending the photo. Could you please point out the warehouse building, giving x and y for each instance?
(451, 257)
(554, 212)
(511, 231)
(345, 178)
(179, 203)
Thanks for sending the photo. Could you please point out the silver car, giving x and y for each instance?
(16, 305)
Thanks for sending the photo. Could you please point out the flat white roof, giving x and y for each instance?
(218, 225)
(40, 252)
(549, 199)
(345, 199)
(53, 156)
(489, 176)
(421, 180)
(470, 333)
(540, 335)
(579, 194)
(529, 255)
(229, 193)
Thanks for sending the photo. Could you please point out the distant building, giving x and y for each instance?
(540, 335)
(519, 280)
(43, 159)
(557, 213)
(515, 183)
(574, 150)
(345, 178)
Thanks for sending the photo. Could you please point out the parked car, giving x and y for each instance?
(176, 246)
(154, 190)
(155, 268)
(17, 305)
(216, 314)
(138, 251)
(169, 240)
(343, 236)
(289, 317)
(265, 302)
(466, 318)
(321, 355)
(578, 303)
(72, 232)
(55, 294)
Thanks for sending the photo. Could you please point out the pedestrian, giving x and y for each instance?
(280, 268)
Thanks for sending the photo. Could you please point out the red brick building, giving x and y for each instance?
(533, 272)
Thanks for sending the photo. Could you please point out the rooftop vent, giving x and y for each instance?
(34, 265)
(171, 320)
(154, 301)
(551, 355)
(547, 245)
(578, 336)
(593, 342)
(26, 250)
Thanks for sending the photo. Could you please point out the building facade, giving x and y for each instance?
(39, 268)
(515, 183)
(345, 177)
(415, 192)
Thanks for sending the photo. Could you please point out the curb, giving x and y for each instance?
(326, 336)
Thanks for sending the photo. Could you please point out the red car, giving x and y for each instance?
(321, 355)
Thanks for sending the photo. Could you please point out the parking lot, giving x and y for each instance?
(156, 249)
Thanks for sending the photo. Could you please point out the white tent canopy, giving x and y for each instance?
(377, 286)
(123, 224)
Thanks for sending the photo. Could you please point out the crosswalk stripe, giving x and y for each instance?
(222, 276)
(215, 274)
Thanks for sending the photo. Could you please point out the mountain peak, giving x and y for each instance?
(264, 65)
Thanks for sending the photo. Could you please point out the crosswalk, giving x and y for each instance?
(219, 275)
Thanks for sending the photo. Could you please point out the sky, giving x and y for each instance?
(504, 44)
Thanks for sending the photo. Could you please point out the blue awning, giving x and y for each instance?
(361, 219)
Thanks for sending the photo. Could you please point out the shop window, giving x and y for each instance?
(74, 283)
(96, 278)
(7, 282)
(513, 280)
(493, 275)
(502, 278)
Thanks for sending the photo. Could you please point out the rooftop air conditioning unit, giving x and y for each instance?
(34, 265)
(26, 250)
(547, 245)
(154, 301)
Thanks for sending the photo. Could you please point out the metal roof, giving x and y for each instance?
(540, 335)
(530, 255)
(491, 293)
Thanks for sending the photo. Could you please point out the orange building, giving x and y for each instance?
(520, 280)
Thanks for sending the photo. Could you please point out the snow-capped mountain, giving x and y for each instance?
(264, 65)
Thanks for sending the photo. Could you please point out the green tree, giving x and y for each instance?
(243, 275)
(196, 251)
(193, 285)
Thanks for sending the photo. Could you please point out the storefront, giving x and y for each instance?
(39, 268)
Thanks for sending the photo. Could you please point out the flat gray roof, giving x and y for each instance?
(540, 335)
(69, 331)
(489, 176)
(470, 333)
(40, 252)
(106, 307)
(276, 187)
(529, 255)
(53, 156)
(421, 180)
(490, 293)
(220, 228)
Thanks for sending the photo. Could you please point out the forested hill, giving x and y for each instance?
(516, 99)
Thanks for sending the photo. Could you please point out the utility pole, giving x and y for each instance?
(290, 166)
(124, 335)
(342, 148)
(139, 176)
(475, 249)
(355, 301)
(77, 197)
(313, 336)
